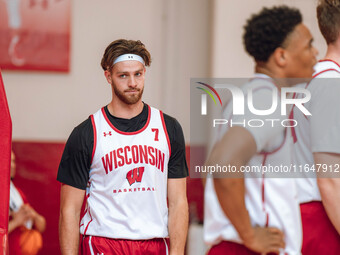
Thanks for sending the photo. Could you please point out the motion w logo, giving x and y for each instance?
(135, 175)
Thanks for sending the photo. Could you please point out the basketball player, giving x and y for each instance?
(318, 142)
(25, 225)
(260, 215)
(130, 158)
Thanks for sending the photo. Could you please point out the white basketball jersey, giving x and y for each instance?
(16, 201)
(127, 188)
(270, 202)
(309, 138)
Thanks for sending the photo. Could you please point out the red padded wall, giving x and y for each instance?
(37, 165)
(5, 163)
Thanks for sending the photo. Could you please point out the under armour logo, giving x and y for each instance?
(100, 253)
(105, 134)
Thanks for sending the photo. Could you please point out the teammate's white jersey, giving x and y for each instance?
(16, 201)
(319, 132)
(127, 190)
(270, 201)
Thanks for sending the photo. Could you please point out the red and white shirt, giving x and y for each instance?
(270, 201)
(127, 188)
(320, 131)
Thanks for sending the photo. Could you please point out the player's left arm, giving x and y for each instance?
(178, 215)
(330, 188)
(177, 198)
(324, 140)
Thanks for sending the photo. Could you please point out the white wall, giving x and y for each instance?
(186, 38)
(47, 105)
(229, 58)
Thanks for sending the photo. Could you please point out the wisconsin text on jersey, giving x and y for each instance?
(133, 155)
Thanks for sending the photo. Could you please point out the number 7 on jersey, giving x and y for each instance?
(156, 130)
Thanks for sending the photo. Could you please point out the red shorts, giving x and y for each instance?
(231, 248)
(95, 245)
(319, 235)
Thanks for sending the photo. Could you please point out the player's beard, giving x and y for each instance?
(126, 97)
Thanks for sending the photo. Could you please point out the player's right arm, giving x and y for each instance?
(71, 200)
(73, 173)
(330, 188)
(236, 148)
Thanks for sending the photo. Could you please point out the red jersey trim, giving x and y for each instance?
(165, 131)
(263, 192)
(291, 115)
(329, 60)
(127, 133)
(94, 137)
(88, 224)
(85, 209)
(317, 74)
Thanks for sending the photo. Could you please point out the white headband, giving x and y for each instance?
(126, 57)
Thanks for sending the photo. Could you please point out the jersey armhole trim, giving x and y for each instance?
(329, 60)
(166, 132)
(317, 74)
(22, 194)
(88, 224)
(94, 137)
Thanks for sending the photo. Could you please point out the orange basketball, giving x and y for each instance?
(30, 242)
